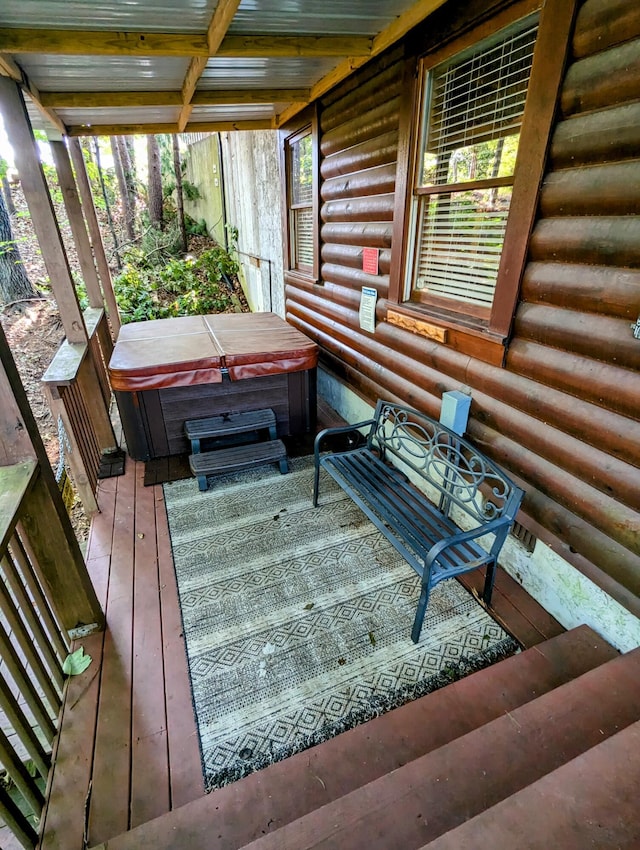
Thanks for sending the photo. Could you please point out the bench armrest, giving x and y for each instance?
(341, 429)
(492, 527)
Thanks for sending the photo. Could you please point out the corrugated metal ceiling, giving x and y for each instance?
(132, 88)
(104, 73)
(136, 15)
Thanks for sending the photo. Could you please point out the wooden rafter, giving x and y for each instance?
(102, 43)
(295, 45)
(395, 31)
(218, 26)
(145, 129)
(132, 99)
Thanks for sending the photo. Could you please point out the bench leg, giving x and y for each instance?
(284, 466)
(202, 482)
(316, 484)
(273, 433)
(488, 583)
(195, 447)
(420, 612)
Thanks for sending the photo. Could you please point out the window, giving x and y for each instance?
(300, 156)
(299, 161)
(471, 114)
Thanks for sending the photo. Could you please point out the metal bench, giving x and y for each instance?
(416, 481)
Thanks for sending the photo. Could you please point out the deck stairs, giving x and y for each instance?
(537, 751)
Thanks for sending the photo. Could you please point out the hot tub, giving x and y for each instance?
(168, 370)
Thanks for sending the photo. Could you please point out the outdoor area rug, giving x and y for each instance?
(297, 620)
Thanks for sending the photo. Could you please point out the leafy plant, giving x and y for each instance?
(178, 287)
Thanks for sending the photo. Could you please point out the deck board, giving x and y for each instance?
(187, 783)
(128, 727)
(149, 757)
(109, 808)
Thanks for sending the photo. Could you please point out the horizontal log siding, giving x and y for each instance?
(581, 288)
(562, 417)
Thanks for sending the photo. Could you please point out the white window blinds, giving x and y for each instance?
(473, 110)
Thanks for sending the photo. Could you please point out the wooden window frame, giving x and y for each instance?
(306, 123)
(484, 336)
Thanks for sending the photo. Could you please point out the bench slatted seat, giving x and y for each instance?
(237, 458)
(431, 493)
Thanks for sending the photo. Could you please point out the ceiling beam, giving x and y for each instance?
(8, 68)
(102, 43)
(132, 99)
(218, 26)
(395, 31)
(146, 129)
(88, 100)
(295, 45)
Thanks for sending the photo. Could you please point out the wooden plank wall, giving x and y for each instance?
(563, 416)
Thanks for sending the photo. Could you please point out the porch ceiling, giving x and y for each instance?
(92, 67)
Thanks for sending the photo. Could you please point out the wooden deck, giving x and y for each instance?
(129, 749)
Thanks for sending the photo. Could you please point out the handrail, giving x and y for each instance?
(78, 391)
(32, 647)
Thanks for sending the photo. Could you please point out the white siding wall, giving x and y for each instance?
(251, 169)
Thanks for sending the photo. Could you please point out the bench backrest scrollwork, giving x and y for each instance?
(462, 476)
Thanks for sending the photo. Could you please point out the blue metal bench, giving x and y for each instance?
(455, 483)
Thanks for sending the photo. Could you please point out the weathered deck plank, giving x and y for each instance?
(184, 749)
(149, 749)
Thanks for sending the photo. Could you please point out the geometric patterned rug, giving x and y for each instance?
(297, 619)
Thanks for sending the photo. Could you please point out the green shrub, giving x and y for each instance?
(176, 288)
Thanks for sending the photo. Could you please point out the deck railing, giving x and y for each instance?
(33, 647)
(78, 391)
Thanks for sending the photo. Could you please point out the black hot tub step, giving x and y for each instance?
(229, 424)
(236, 458)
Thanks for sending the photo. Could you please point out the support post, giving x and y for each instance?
(94, 231)
(76, 221)
(43, 217)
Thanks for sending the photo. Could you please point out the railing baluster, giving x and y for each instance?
(31, 616)
(16, 821)
(25, 686)
(23, 729)
(25, 783)
(57, 636)
(24, 641)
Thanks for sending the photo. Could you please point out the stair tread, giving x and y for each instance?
(232, 423)
(288, 790)
(235, 457)
(438, 791)
(589, 802)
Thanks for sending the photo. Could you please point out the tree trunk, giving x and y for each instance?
(177, 167)
(14, 282)
(127, 212)
(127, 157)
(8, 197)
(96, 151)
(155, 183)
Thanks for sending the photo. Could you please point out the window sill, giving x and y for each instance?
(462, 334)
(294, 276)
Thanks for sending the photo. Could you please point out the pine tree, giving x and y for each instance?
(14, 281)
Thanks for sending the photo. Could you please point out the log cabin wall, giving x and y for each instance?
(562, 414)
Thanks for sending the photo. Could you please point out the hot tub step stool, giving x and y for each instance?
(236, 458)
(229, 425)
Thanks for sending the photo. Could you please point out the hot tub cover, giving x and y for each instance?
(198, 349)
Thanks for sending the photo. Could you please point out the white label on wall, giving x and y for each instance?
(367, 313)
